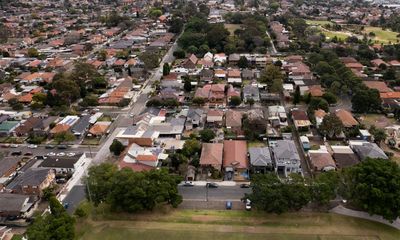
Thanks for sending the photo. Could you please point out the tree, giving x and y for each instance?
(179, 53)
(155, 13)
(57, 225)
(191, 147)
(116, 147)
(329, 97)
(331, 126)
(374, 186)
(177, 159)
(187, 85)
(366, 100)
(378, 133)
(206, 135)
(317, 103)
(33, 53)
(235, 101)
(296, 96)
(166, 69)
(324, 68)
(176, 24)
(64, 137)
(102, 55)
(150, 59)
(250, 101)
(89, 100)
(199, 101)
(137, 191)
(98, 182)
(243, 63)
(273, 77)
(325, 186)
(272, 195)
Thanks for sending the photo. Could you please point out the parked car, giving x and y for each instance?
(51, 154)
(211, 185)
(14, 145)
(28, 154)
(248, 204)
(228, 205)
(32, 146)
(244, 185)
(5, 145)
(49, 146)
(16, 153)
(188, 184)
(61, 154)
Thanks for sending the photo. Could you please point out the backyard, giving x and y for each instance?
(232, 27)
(205, 224)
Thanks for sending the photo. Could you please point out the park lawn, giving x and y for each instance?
(332, 34)
(208, 224)
(232, 27)
(318, 22)
(383, 36)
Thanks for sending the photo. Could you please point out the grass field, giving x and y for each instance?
(384, 36)
(332, 34)
(232, 27)
(318, 22)
(235, 225)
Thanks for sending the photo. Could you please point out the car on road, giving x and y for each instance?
(32, 146)
(188, 184)
(28, 154)
(16, 153)
(49, 146)
(244, 185)
(211, 185)
(51, 154)
(248, 204)
(14, 145)
(228, 205)
(71, 154)
(61, 154)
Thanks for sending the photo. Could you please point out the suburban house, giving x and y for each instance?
(344, 156)
(16, 205)
(140, 135)
(277, 116)
(321, 160)
(393, 136)
(287, 159)
(211, 156)
(235, 161)
(233, 121)
(260, 159)
(81, 126)
(140, 158)
(319, 116)
(31, 182)
(64, 164)
(7, 127)
(213, 93)
(99, 128)
(365, 149)
(234, 76)
(347, 118)
(194, 118)
(251, 92)
(215, 117)
(301, 120)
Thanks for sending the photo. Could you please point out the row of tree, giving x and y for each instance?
(128, 191)
(373, 186)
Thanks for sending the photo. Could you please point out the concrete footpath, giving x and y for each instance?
(359, 214)
(219, 183)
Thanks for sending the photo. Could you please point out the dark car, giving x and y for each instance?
(28, 154)
(244, 185)
(49, 146)
(211, 185)
(16, 153)
(62, 147)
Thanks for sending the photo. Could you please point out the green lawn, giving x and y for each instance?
(318, 22)
(384, 36)
(332, 34)
(207, 224)
(232, 27)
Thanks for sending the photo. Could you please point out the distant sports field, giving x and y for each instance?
(235, 225)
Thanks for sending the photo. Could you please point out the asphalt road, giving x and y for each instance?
(222, 193)
(75, 196)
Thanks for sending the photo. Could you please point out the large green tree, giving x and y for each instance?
(331, 126)
(374, 186)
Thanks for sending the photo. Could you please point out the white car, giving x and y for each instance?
(14, 145)
(248, 204)
(61, 154)
(32, 146)
(51, 154)
(71, 154)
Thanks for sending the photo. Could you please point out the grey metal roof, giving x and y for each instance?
(370, 150)
(285, 149)
(60, 162)
(12, 202)
(82, 124)
(260, 156)
(32, 177)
